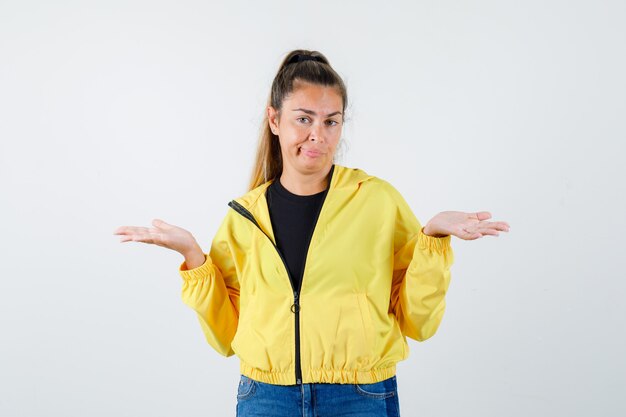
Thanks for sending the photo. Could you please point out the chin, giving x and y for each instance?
(320, 161)
(310, 166)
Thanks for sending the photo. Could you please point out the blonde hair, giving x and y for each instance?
(314, 69)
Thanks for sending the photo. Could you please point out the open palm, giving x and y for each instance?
(466, 226)
(162, 234)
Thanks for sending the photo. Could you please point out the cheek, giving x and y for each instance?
(290, 147)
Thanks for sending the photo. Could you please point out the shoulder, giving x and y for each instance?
(381, 188)
(351, 176)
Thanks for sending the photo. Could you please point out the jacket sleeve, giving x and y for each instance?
(421, 275)
(212, 290)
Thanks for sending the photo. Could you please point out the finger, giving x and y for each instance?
(131, 230)
(491, 232)
(504, 226)
(501, 226)
(133, 238)
(120, 230)
(143, 235)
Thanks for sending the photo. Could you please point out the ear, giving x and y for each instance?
(272, 117)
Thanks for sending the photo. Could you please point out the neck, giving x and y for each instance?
(305, 184)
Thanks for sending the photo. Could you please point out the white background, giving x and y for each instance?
(117, 112)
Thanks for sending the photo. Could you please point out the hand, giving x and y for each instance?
(163, 234)
(466, 226)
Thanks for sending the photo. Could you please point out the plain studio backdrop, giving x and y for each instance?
(115, 113)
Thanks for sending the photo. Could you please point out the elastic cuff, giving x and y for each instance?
(438, 244)
(199, 272)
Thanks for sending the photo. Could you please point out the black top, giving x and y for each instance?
(293, 219)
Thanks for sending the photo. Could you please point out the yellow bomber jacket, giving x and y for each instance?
(371, 279)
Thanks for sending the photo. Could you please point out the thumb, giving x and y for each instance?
(483, 215)
(160, 223)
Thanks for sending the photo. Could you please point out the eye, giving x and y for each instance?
(300, 118)
(335, 122)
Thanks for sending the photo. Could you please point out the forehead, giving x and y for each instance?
(314, 97)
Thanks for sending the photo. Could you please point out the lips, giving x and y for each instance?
(311, 152)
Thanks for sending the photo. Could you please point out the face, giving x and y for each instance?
(309, 128)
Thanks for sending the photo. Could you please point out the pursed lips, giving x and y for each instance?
(311, 151)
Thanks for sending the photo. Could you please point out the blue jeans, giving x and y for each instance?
(259, 399)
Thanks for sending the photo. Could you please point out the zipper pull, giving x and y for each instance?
(298, 381)
(295, 307)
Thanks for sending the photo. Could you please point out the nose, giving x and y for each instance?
(316, 133)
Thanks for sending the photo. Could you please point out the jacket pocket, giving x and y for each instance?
(246, 313)
(369, 333)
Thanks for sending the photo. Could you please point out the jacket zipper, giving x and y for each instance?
(295, 307)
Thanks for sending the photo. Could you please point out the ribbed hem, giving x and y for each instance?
(318, 376)
(274, 377)
(199, 272)
(341, 376)
(437, 244)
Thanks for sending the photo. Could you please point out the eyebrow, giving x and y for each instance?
(307, 111)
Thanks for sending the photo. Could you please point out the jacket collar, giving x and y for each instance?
(343, 181)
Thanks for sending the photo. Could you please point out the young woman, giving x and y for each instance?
(319, 272)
